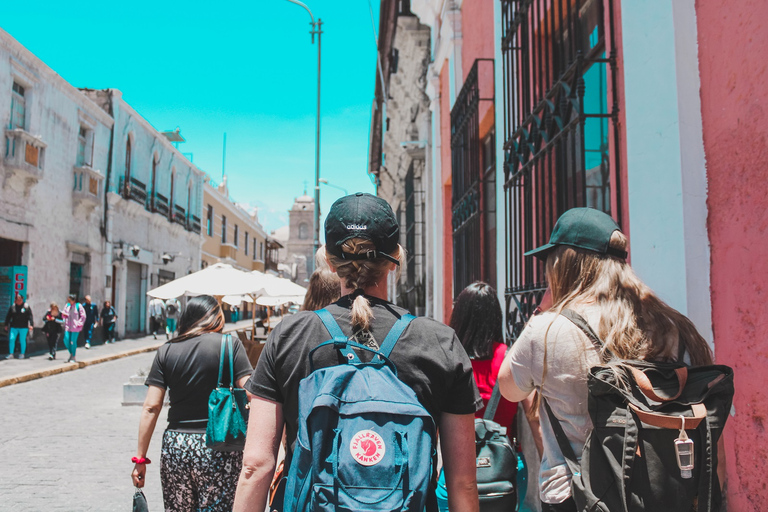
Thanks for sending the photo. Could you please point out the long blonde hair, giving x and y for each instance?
(634, 322)
(361, 274)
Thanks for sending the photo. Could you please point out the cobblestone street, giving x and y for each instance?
(68, 441)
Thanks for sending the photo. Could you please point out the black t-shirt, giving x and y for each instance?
(428, 356)
(190, 370)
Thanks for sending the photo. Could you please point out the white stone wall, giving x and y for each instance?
(405, 145)
(44, 215)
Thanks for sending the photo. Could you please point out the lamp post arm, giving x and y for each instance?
(307, 8)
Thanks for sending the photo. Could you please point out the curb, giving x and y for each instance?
(18, 379)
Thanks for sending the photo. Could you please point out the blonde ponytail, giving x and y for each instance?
(361, 274)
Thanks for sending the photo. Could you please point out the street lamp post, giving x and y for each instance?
(325, 182)
(316, 29)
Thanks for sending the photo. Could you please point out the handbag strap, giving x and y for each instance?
(226, 342)
(493, 402)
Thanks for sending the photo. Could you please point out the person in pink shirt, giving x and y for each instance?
(74, 319)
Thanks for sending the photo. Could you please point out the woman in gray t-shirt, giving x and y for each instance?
(587, 272)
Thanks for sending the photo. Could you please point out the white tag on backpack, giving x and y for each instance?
(684, 452)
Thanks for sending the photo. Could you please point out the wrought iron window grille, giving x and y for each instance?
(561, 136)
(467, 175)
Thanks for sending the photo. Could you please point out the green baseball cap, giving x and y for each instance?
(584, 228)
(364, 216)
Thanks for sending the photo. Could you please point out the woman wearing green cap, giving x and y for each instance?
(361, 235)
(587, 272)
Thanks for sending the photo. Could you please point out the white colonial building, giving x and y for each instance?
(55, 153)
(153, 221)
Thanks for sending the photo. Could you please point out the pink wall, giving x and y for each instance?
(445, 181)
(733, 62)
(477, 43)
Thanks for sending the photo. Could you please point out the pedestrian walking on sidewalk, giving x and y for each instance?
(91, 319)
(74, 319)
(172, 312)
(108, 317)
(362, 233)
(156, 316)
(19, 322)
(193, 476)
(53, 327)
(590, 280)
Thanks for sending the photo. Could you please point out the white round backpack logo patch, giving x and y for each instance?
(367, 447)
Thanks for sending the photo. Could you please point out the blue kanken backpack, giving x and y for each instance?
(364, 441)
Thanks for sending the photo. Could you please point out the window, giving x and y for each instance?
(254, 248)
(84, 147)
(245, 243)
(303, 231)
(468, 201)
(261, 251)
(237, 237)
(209, 221)
(79, 275)
(560, 129)
(18, 107)
(223, 229)
(127, 161)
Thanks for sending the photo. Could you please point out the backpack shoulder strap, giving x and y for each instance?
(579, 321)
(339, 338)
(562, 441)
(394, 334)
(493, 403)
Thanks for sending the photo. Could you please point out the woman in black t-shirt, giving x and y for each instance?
(193, 476)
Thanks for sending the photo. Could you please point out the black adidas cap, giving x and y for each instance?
(364, 216)
(584, 228)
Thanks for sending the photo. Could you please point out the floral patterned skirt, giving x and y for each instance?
(196, 478)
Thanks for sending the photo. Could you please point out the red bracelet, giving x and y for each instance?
(141, 460)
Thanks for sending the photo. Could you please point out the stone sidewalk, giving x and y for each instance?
(15, 371)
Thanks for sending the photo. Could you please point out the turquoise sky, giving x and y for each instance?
(245, 68)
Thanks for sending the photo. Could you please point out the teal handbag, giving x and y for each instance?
(227, 409)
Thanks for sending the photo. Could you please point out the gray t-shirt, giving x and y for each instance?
(569, 356)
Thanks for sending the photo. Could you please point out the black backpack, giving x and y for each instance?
(630, 459)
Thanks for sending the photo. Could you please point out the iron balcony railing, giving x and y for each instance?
(133, 189)
(193, 224)
(560, 129)
(179, 215)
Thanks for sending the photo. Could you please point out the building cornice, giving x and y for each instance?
(27, 63)
(117, 95)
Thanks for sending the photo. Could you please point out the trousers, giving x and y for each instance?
(21, 334)
(70, 341)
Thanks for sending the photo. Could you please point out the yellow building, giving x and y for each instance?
(230, 234)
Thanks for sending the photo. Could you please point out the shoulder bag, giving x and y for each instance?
(227, 408)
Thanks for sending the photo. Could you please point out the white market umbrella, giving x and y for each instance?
(265, 300)
(219, 280)
(281, 287)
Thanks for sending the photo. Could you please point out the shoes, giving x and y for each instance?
(87, 345)
(154, 334)
(22, 356)
(166, 336)
(72, 360)
(69, 359)
(50, 357)
(9, 356)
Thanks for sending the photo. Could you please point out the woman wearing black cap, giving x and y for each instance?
(588, 273)
(362, 247)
